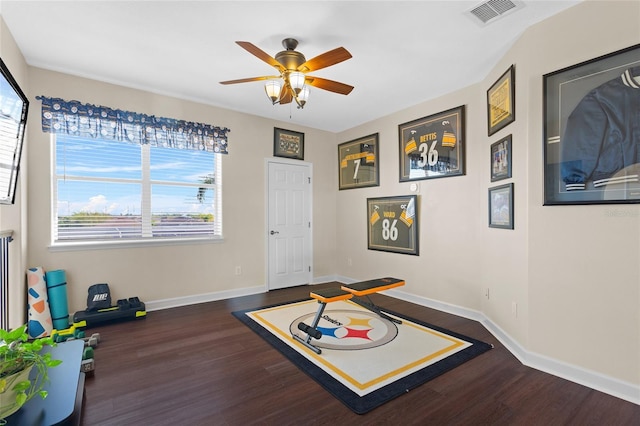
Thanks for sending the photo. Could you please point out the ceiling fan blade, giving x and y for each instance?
(326, 59)
(246, 80)
(330, 85)
(260, 54)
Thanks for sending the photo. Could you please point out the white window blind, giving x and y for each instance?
(110, 190)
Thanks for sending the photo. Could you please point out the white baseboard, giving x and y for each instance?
(156, 305)
(591, 379)
(594, 380)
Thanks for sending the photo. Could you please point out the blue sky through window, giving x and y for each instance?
(112, 173)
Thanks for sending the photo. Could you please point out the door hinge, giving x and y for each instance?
(309, 268)
(309, 179)
(309, 224)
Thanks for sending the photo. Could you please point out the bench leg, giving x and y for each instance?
(312, 328)
(368, 304)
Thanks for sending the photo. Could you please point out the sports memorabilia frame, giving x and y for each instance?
(433, 146)
(501, 159)
(358, 163)
(288, 144)
(591, 131)
(501, 206)
(393, 224)
(501, 101)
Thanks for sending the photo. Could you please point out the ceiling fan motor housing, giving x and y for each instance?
(290, 59)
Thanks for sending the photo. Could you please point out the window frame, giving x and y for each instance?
(146, 184)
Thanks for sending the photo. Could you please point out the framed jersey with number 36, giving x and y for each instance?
(358, 163)
(393, 224)
(433, 146)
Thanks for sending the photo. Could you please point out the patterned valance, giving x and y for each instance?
(91, 121)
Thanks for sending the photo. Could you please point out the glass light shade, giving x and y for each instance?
(273, 87)
(296, 79)
(303, 96)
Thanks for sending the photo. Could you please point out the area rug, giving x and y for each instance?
(365, 360)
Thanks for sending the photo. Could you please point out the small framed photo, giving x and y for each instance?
(501, 206)
(591, 126)
(501, 159)
(501, 101)
(358, 163)
(433, 146)
(393, 224)
(288, 144)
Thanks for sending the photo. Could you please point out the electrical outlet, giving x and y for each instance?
(238, 270)
(486, 292)
(349, 262)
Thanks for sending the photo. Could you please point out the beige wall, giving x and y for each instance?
(572, 271)
(175, 271)
(584, 265)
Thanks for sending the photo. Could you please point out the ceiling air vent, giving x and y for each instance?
(491, 10)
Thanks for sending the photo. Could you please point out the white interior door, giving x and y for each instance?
(289, 224)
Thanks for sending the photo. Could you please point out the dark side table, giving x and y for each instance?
(63, 404)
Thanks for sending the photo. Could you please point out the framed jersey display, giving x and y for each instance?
(501, 101)
(393, 224)
(592, 131)
(433, 146)
(358, 163)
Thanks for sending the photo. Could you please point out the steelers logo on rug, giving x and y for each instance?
(348, 330)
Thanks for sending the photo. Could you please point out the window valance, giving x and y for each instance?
(91, 121)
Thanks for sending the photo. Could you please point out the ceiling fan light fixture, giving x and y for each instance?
(273, 88)
(303, 96)
(296, 79)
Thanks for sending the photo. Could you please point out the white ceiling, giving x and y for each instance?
(404, 52)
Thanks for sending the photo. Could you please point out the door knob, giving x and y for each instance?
(274, 232)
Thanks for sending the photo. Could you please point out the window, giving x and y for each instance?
(105, 190)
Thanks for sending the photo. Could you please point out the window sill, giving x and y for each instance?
(109, 245)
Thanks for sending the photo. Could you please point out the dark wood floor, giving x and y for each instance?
(199, 365)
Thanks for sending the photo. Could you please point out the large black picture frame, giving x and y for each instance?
(359, 163)
(392, 224)
(14, 107)
(590, 129)
(433, 146)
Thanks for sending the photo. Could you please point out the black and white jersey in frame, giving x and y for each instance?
(433, 146)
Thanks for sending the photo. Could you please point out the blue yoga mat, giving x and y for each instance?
(57, 292)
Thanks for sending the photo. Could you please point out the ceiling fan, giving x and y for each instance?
(293, 81)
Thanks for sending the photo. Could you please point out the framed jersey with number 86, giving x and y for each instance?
(358, 163)
(393, 224)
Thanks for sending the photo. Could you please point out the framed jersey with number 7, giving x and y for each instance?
(358, 164)
(433, 146)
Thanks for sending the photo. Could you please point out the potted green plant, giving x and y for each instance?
(18, 356)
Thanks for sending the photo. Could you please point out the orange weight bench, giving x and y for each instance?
(359, 291)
